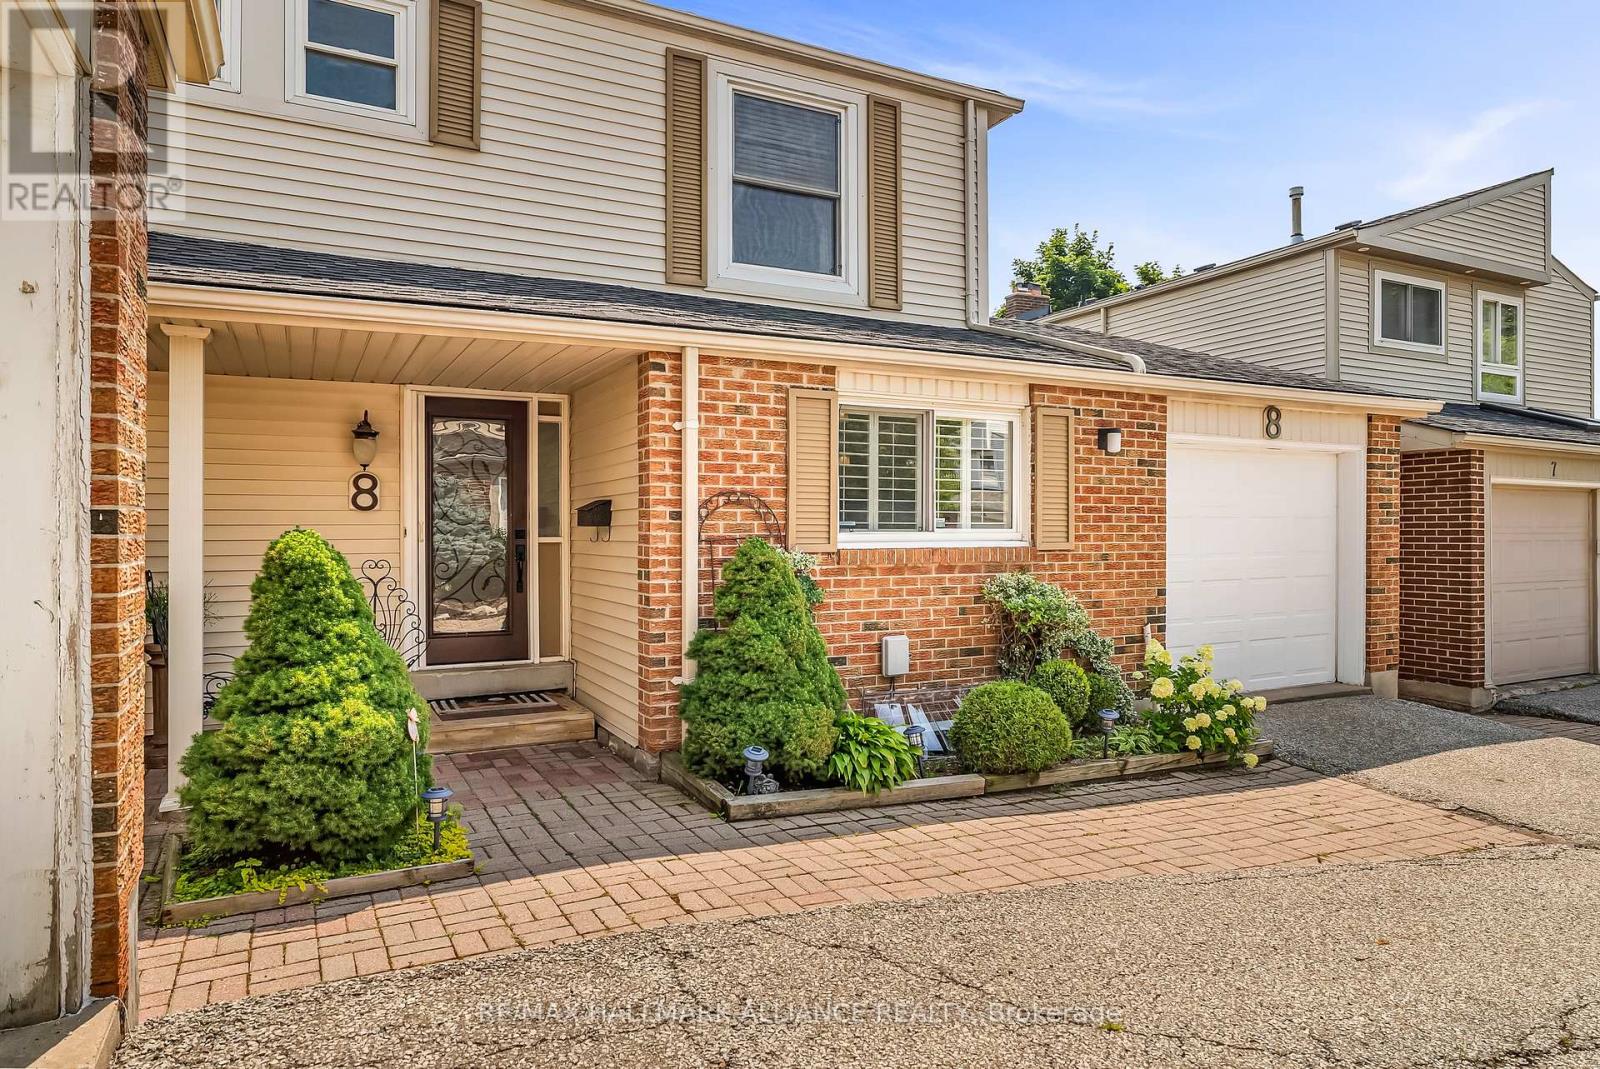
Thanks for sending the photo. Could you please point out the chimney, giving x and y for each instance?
(1027, 300)
(1295, 193)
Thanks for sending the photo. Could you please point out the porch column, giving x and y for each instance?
(185, 545)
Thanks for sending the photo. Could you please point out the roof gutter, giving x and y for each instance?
(1131, 361)
(173, 301)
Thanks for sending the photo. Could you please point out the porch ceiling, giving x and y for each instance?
(335, 354)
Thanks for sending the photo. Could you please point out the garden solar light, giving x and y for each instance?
(437, 798)
(1108, 723)
(754, 757)
(918, 747)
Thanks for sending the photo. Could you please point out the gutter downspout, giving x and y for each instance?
(690, 505)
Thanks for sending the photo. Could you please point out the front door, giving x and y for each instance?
(477, 547)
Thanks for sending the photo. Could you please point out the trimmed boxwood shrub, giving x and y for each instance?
(764, 678)
(312, 760)
(1068, 686)
(1006, 728)
(1106, 692)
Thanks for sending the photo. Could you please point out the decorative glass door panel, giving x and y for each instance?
(477, 547)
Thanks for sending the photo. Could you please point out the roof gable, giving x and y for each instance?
(1502, 229)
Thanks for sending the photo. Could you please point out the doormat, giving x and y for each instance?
(482, 705)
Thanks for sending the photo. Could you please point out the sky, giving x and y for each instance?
(1176, 129)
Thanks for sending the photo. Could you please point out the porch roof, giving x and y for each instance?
(182, 259)
(1528, 423)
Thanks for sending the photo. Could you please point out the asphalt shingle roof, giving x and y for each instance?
(1475, 419)
(184, 259)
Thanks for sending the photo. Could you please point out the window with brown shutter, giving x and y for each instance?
(1052, 478)
(813, 470)
(686, 168)
(455, 73)
(883, 203)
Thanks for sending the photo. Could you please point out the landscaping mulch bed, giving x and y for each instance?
(735, 807)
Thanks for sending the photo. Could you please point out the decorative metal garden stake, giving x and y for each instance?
(919, 748)
(754, 758)
(1108, 722)
(437, 798)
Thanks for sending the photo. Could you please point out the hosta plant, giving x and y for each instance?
(869, 755)
(1191, 711)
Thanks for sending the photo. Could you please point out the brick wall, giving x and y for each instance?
(118, 376)
(932, 595)
(1383, 543)
(1442, 575)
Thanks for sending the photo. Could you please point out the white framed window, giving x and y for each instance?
(356, 56)
(786, 187)
(1408, 312)
(929, 476)
(230, 13)
(1499, 337)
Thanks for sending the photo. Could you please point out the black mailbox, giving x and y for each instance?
(595, 513)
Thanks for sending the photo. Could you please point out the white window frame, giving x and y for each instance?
(1379, 277)
(1021, 471)
(230, 14)
(1479, 367)
(405, 60)
(845, 288)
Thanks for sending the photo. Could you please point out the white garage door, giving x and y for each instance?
(1540, 600)
(1252, 562)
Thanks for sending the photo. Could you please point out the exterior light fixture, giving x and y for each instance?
(754, 758)
(1108, 723)
(365, 443)
(1111, 440)
(437, 798)
(919, 748)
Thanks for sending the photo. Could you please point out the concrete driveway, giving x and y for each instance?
(1492, 959)
(1509, 773)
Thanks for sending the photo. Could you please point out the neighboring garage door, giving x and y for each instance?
(1541, 601)
(1252, 561)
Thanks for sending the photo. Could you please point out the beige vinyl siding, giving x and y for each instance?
(570, 178)
(1559, 347)
(1271, 315)
(1447, 377)
(605, 576)
(277, 456)
(1510, 230)
(1307, 425)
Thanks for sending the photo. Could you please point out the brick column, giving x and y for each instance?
(1442, 596)
(660, 549)
(118, 377)
(1383, 554)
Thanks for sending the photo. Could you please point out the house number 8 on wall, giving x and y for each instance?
(1274, 421)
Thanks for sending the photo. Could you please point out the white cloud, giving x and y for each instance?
(1445, 163)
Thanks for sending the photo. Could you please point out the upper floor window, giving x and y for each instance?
(354, 55)
(787, 181)
(1409, 312)
(1499, 347)
(927, 475)
(229, 15)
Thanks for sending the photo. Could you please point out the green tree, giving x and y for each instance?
(1072, 268)
(763, 675)
(312, 760)
(1150, 272)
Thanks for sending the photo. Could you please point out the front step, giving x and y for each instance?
(447, 682)
(570, 722)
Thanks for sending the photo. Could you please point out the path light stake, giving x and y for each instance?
(754, 758)
(918, 747)
(437, 798)
(1108, 723)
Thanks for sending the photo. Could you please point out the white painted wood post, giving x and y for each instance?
(186, 572)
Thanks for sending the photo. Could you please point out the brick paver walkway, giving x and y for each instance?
(575, 843)
(1563, 729)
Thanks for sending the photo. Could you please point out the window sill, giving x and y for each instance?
(1440, 355)
(849, 542)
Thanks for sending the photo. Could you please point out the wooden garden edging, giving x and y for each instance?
(717, 798)
(255, 901)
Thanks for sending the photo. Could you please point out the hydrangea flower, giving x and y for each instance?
(1161, 689)
(1193, 742)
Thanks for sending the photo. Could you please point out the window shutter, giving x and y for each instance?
(455, 73)
(883, 203)
(1052, 478)
(686, 168)
(813, 470)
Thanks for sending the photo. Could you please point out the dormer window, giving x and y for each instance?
(1408, 312)
(1499, 348)
(354, 55)
(787, 178)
